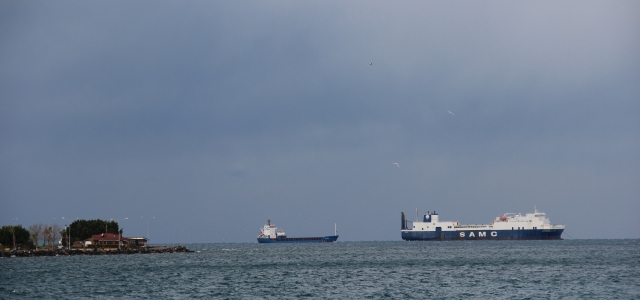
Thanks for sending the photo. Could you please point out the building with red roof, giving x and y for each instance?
(114, 240)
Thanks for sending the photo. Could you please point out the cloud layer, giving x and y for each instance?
(213, 117)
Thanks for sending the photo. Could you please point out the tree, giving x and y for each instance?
(15, 235)
(36, 231)
(50, 234)
(83, 229)
(55, 233)
(45, 236)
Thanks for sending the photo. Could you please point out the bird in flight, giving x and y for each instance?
(451, 113)
(370, 63)
(397, 164)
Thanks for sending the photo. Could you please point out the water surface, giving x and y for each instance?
(578, 269)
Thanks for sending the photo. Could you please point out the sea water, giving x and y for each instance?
(569, 269)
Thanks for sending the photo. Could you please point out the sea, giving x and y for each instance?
(563, 269)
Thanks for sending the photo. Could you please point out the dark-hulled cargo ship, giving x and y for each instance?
(510, 226)
(270, 234)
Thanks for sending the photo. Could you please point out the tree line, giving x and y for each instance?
(18, 237)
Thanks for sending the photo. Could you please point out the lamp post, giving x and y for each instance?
(13, 232)
(148, 237)
(119, 233)
(69, 233)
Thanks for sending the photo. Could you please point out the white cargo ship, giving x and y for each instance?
(270, 234)
(510, 226)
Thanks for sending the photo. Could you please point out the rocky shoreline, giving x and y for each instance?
(94, 251)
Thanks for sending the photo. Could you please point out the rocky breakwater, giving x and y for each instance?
(95, 251)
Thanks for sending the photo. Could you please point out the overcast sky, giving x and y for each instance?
(200, 120)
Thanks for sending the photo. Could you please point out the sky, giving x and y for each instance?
(196, 121)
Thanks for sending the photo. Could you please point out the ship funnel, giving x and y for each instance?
(404, 221)
(269, 222)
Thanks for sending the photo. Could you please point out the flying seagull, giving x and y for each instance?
(451, 113)
(397, 164)
(370, 63)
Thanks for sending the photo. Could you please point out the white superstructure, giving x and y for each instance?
(269, 231)
(508, 221)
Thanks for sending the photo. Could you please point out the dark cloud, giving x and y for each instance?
(213, 117)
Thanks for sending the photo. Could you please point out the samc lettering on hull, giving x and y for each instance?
(477, 234)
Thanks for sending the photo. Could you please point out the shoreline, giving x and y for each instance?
(94, 251)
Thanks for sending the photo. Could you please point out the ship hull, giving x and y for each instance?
(523, 234)
(325, 239)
